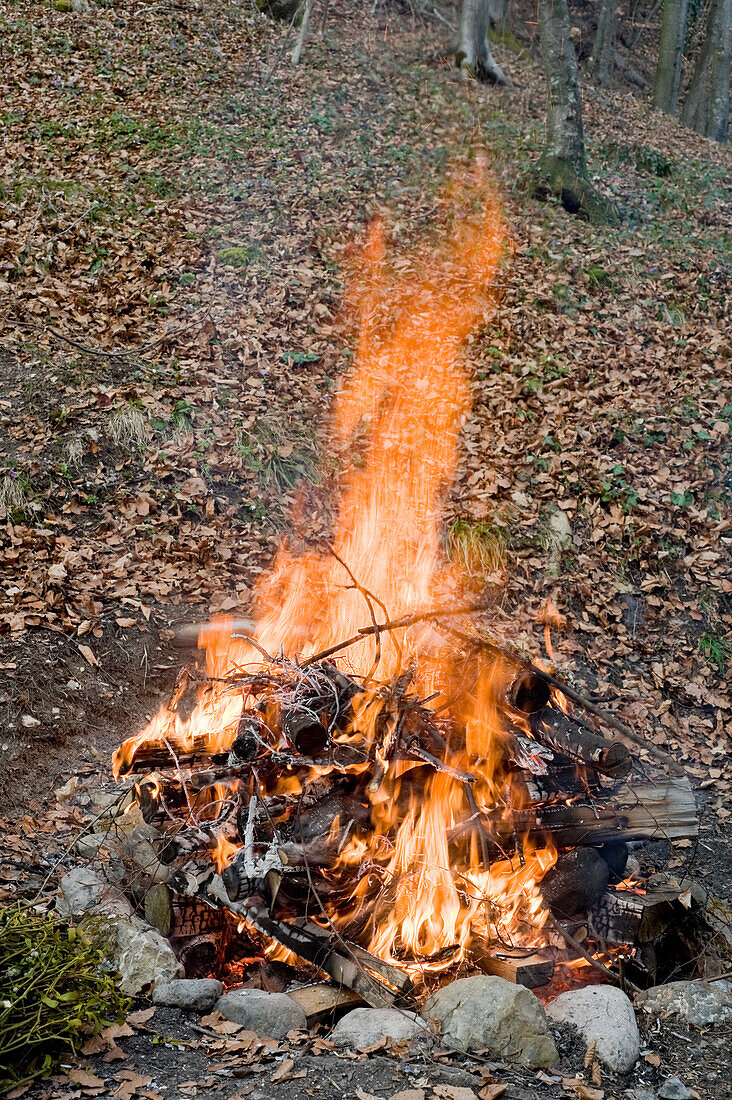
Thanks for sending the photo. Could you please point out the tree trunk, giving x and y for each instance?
(562, 170)
(565, 139)
(297, 51)
(718, 113)
(706, 109)
(474, 55)
(670, 52)
(603, 50)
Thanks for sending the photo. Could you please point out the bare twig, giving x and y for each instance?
(397, 624)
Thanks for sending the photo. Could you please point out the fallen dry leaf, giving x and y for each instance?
(68, 789)
(88, 654)
(583, 1090)
(281, 1074)
(135, 1019)
(85, 1078)
(492, 1090)
(453, 1092)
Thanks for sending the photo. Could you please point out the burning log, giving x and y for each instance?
(575, 739)
(635, 916)
(304, 732)
(577, 880)
(663, 810)
(377, 982)
(521, 967)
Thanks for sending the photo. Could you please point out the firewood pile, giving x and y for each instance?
(289, 825)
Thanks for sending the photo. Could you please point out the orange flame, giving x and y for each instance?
(397, 422)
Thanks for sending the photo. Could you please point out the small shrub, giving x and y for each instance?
(54, 994)
(653, 161)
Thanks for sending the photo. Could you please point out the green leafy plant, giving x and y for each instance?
(54, 993)
(614, 487)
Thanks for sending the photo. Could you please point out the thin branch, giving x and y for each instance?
(397, 624)
(588, 958)
(368, 597)
(99, 351)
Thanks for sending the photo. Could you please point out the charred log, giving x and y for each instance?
(575, 739)
(577, 880)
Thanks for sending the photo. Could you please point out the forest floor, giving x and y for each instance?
(180, 209)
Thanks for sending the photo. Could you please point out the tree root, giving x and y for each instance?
(554, 176)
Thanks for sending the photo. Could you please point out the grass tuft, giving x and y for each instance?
(14, 493)
(128, 428)
(476, 547)
(279, 454)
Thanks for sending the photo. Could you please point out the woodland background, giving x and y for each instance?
(179, 209)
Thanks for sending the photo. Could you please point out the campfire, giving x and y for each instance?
(365, 780)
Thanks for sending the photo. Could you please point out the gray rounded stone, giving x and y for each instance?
(604, 1015)
(364, 1027)
(489, 1013)
(272, 1014)
(674, 1089)
(134, 949)
(197, 994)
(700, 1003)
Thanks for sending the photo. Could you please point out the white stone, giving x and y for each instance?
(604, 1015)
(364, 1027)
(695, 1002)
(272, 1014)
(29, 722)
(136, 951)
(82, 890)
(560, 530)
(488, 1013)
(198, 994)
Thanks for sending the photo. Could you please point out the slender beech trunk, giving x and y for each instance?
(603, 50)
(307, 11)
(474, 55)
(562, 168)
(564, 140)
(706, 108)
(670, 52)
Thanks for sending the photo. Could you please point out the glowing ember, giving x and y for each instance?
(411, 883)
